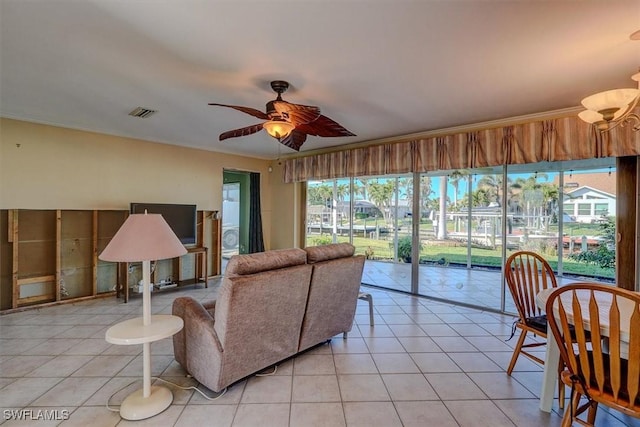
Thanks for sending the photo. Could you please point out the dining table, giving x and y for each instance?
(552, 355)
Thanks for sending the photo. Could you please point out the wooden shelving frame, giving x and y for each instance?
(50, 256)
(54, 255)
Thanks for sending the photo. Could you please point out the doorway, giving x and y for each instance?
(235, 214)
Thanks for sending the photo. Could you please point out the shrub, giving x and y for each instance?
(322, 240)
(404, 248)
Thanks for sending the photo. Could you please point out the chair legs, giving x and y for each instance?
(516, 353)
(367, 297)
(574, 404)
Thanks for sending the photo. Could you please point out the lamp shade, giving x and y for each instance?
(278, 128)
(610, 99)
(593, 117)
(143, 237)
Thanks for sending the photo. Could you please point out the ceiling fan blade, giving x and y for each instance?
(241, 132)
(251, 111)
(295, 113)
(324, 126)
(294, 140)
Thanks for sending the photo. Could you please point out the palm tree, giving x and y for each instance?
(493, 184)
(454, 178)
(425, 192)
(363, 187)
(381, 194)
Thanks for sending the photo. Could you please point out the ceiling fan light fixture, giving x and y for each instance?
(278, 128)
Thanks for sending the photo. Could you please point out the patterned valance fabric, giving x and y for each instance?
(552, 140)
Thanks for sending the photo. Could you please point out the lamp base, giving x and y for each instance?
(138, 407)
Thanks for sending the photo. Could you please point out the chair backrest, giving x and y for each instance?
(527, 273)
(260, 306)
(333, 292)
(602, 347)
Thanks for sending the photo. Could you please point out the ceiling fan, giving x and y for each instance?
(288, 123)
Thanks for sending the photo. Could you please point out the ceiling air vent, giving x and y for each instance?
(142, 112)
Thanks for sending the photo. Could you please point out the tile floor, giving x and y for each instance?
(424, 363)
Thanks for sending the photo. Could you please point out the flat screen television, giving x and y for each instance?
(181, 218)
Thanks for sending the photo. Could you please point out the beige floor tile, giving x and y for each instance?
(95, 346)
(408, 387)
(71, 392)
(167, 417)
(15, 346)
(474, 413)
(355, 364)
(475, 362)
(60, 366)
(454, 344)
(159, 363)
(232, 395)
(20, 366)
(470, 330)
(105, 366)
(94, 416)
(317, 415)
(23, 391)
(434, 362)
(489, 344)
(380, 330)
(384, 345)
(362, 388)
(273, 389)
(371, 414)
(350, 345)
(315, 388)
(454, 386)
(526, 413)
(263, 415)
(54, 346)
(408, 330)
(499, 385)
(397, 319)
(314, 364)
(207, 415)
(423, 414)
(395, 363)
(438, 329)
(419, 344)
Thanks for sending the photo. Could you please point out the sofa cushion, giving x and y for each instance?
(265, 261)
(328, 252)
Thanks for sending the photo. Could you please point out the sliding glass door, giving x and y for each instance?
(467, 222)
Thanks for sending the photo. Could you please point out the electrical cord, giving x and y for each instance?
(268, 374)
(112, 409)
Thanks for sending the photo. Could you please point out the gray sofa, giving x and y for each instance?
(270, 306)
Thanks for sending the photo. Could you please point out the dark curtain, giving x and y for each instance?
(256, 243)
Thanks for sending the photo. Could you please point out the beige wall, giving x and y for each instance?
(47, 167)
(287, 210)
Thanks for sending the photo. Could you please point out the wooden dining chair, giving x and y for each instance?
(527, 273)
(605, 368)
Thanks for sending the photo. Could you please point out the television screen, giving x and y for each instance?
(181, 218)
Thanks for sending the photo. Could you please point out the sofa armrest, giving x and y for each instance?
(196, 346)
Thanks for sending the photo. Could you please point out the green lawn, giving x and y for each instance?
(433, 252)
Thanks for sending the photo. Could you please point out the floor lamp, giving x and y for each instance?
(144, 237)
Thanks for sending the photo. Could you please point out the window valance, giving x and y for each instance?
(560, 139)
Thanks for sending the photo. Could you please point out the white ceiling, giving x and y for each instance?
(379, 68)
